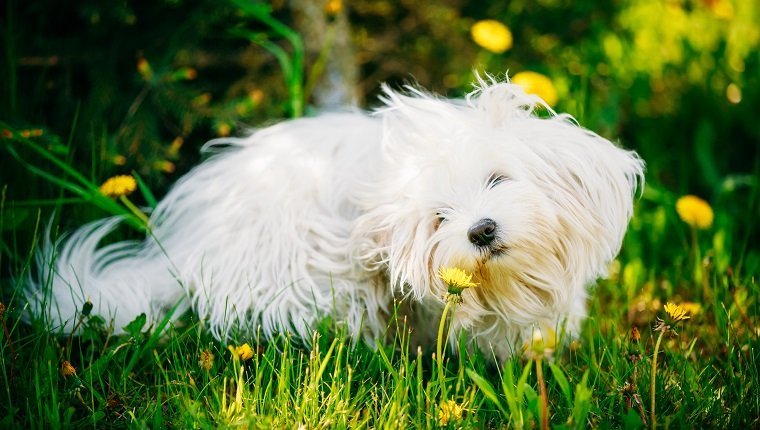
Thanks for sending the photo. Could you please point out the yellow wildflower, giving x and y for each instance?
(243, 352)
(692, 308)
(456, 279)
(676, 312)
(117, 186)
(207, 359)
(67, 369)
(491, 35)
(537, 84)
(733, 93)
(223, 129)
(333, 7)
(694, 211)
(449, 411)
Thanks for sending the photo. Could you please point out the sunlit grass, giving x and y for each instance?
(706, 376)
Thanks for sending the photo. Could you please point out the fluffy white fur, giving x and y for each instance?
(341, 214)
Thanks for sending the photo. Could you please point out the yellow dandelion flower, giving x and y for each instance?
(692, 308)
(67, 369)
(223, 129)
(333, 7)
(676, 312)
(694, 211)
(450, 412)
(537, 84)
(117, 186)
(456, 279)
(256, 96)
(491, 35)
(206, 360)
(733, 93)
(243, 352)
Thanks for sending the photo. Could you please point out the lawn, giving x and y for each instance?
(705, 374)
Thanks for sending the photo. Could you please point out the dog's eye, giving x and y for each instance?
(440, 216)
(495, 179)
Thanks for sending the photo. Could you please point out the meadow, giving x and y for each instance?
(672, 338)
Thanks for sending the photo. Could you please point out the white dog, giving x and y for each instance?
(346, 213)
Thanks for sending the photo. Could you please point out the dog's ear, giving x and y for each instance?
(593, 184)
(392, 236)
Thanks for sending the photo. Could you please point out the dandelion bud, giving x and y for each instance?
(635, 335)
(87, 308)
(206, 360)
(67, 369)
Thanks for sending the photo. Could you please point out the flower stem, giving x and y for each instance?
(542, 391)
(134, 209)
(439, 346)
(654, 374)
(10, 343)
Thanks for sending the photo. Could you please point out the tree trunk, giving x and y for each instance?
(332, 73)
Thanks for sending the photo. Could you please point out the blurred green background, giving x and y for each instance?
(136, 85)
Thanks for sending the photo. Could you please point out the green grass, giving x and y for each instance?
(706, 374)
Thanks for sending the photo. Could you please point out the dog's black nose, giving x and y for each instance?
(483, 232)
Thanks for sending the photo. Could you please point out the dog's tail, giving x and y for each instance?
(121, 280)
